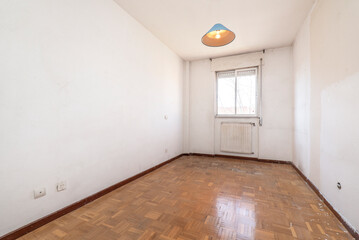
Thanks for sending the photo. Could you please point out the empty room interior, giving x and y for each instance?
(163, 119)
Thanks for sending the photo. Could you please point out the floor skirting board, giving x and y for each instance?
(240, 158)
(40, 222)
(351, 230)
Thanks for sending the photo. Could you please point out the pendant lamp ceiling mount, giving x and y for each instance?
(218, 36)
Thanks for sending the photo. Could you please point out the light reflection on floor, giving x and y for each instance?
(235, 213)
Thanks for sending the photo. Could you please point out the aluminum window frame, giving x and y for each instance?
(257, 97)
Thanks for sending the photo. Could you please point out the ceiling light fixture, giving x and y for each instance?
(218, 36)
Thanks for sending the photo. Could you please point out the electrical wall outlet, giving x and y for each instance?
(40, 192)
(166, 150)
(61, 186)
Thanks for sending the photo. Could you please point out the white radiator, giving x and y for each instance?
(236, 137)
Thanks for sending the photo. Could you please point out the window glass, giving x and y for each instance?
(237, 92)
(226, 93)
(246, 92)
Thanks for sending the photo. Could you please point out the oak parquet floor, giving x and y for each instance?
(203, 198)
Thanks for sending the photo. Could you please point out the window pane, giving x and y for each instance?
(246, 91)
(226, 93)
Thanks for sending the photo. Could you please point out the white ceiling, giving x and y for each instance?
(258, 24)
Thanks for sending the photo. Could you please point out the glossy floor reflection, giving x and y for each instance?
(204, 198)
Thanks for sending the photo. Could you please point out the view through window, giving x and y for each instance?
(237, 92)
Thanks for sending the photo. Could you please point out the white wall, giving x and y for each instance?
(201, 111)
(275, 136)
(83, 93)
(301, 70)
(333, 100)
(186, 108)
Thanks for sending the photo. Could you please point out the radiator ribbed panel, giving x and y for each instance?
(236, 137)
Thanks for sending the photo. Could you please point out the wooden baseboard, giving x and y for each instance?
(351, 230)
(42, 221)
(241, 158)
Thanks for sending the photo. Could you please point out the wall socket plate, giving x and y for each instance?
(61, 186)
(39, 192)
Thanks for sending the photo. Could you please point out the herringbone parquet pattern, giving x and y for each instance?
(204, 198)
